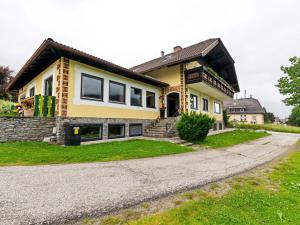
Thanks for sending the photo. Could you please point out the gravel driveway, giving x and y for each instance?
(54, 194)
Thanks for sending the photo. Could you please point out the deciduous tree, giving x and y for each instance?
(289, 85)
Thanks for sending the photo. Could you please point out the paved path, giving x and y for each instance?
(47, 194)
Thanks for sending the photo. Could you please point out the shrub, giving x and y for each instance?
(194, 126)
(226, 118)
(7, 108)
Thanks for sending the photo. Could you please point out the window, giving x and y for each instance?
(91, 132)
(22, 97)
(243, 118)
(116, 130)
(116, 92)
(220, 126)
(194, 101)
(31, 92)
(48, 86)
(217, 108)
(150, 99)
(91, 87)
(136, 96)
(205, 104)
(135, 129)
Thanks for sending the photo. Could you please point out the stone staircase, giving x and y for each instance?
(162, 128)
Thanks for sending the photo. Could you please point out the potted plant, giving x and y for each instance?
(162, 110)
(28, 107)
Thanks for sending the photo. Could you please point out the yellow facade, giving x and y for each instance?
(170, 75)
(76, 107)
(38, 82)
(250, 118)
(114, 110)
(211, 100)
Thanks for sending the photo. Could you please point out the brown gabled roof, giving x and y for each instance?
(211, 51)
(50, 50)
(249, 105)
(190, 52)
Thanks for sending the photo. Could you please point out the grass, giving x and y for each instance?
(38, 153)
(263, 198)
(232, 138)
(271, 127)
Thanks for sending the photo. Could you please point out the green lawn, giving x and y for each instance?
(260, 198)
(232, 138)
(271, 127)
(37, 153)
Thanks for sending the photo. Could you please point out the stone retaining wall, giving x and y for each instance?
(62, 122)
(25, 128)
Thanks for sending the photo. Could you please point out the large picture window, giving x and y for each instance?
(117, 92)
(205, 104)
(91, 87)
(217, 108)
(150, 99)
(194, 101)
(135, 129)
(116, 130)
(136, 96)
(91, 132)
(48, 86)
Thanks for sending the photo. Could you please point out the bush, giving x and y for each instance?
(226, 118)
(7, 108)
(193, 126)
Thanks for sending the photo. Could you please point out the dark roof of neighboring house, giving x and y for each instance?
(250, 106)
(50, 50)
(212, 50)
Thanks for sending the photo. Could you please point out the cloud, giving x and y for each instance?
(260, 35)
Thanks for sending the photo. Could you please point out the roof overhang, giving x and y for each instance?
(49, 51)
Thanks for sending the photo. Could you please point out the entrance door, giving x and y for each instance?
(172, 104)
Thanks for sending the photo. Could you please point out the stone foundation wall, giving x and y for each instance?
(25, 128)
(62, 122)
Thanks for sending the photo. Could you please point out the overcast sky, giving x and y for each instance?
(261, 35)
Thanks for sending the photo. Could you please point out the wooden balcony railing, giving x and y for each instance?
(39, 105)
(201, 74)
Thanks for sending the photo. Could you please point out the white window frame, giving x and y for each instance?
(45, 77)
(203, 104)
(220, 107)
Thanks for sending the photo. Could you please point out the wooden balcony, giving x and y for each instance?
(202, 74)
(39, 106)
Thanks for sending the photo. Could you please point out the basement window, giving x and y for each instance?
(91, 132)
(135, 130)
(116, 130)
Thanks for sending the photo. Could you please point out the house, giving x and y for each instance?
(104, 100)
(245, 110)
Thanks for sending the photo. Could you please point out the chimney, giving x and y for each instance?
(177, 48)
(162, 53)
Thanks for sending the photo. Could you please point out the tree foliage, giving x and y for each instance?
(294, 118)
(289, 85)
(5, 78)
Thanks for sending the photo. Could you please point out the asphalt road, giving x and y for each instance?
(57, 193)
